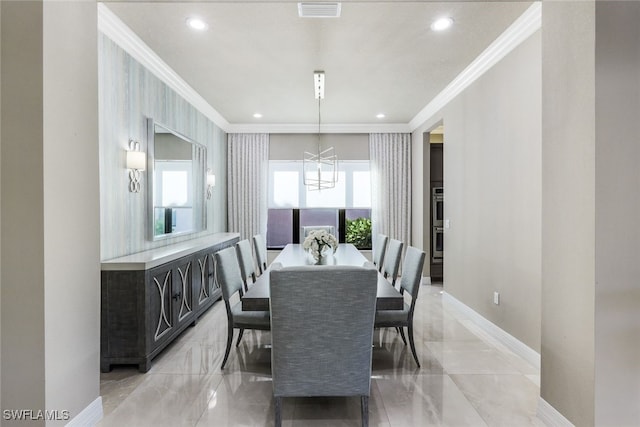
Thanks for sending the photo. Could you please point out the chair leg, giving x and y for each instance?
(404, 340)
(239, 337)
(364, 406)
(411, 343)
(229, 342)
(278, 411)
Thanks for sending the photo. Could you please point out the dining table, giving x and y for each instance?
(257, 297)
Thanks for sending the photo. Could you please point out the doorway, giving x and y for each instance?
(434, 198)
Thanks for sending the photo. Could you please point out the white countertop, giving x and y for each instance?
(158, 256)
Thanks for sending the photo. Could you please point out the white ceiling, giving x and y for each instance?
(378, 57)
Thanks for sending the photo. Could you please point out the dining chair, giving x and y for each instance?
(409, 282)
(391, 263)
(245, 259)
(305, 230)
(230, 280)
(322, 332)
(379, 250)
(260, 248)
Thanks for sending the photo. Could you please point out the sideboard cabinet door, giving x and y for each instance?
(161, 319)
(202, 274)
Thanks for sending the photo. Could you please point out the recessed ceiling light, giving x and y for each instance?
(197, 24)
(442, 24)
(380, 116)
(257, 115)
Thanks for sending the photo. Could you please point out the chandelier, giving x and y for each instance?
(320, 169)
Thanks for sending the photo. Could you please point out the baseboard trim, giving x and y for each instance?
(508, 340)
(89, 416)
(550, 416)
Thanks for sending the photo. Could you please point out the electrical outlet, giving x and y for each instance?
(496, 298)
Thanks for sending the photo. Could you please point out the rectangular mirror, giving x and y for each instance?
(176, 174)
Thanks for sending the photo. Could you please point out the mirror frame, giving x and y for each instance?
(151, 124)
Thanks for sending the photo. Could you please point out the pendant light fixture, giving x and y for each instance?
(320, 169)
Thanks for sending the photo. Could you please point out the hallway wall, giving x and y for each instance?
(568, 215)
(492, 179)
(50, 209)
(617, 288)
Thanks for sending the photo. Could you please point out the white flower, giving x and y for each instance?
(316, 240)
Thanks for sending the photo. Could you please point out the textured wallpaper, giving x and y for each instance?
(128, 95)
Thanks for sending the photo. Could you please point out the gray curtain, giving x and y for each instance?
(247, 168)
(390, 157)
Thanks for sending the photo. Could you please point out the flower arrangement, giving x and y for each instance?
(317, 240)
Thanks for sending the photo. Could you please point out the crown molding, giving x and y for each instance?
(325, 128)
(523, 27)
(111, 26)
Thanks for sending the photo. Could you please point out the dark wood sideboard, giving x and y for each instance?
(149, 298)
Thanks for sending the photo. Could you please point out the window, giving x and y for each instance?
(346, 207)
(286, 189)
(173, 193)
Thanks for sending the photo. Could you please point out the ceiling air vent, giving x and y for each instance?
(319, 10)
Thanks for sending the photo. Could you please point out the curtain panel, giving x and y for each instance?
(247, 168)
(390, 158)
(199, 156)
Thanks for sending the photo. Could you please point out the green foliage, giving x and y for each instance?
(359, 233)
(159, 227)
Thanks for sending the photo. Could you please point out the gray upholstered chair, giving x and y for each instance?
(245, 259)
(305, 230)
(260, 248)
(230, 280)
(409, 282)
(322, 332)
(391, 263)
(379, 249)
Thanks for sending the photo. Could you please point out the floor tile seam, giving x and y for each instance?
(200, 391)
(398, 378)
(531, 416)
(495, 345)
(505, 374)
(469, 402)
(186, 373)
(461, 392)
(382, 403)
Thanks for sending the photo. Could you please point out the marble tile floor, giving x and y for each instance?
(466, 379)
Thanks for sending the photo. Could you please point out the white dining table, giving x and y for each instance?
(257, 297)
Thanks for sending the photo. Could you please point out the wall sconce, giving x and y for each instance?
(211, 182)
(136, 162)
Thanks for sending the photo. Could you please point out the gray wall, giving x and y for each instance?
(129, 94)
(23, 376)
(492, 181)
(617, 287)
(568, 209)
(0, 208)
(591, 294)
(50, 212)
(293, 146)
